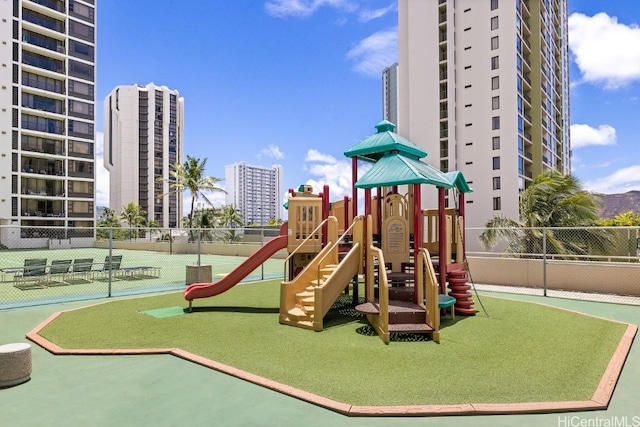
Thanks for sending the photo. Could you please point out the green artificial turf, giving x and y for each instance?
(523, 352)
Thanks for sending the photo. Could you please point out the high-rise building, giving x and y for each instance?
(255, 191)
(47, 120)
(390, 94)
(484, 88)
(143, 137)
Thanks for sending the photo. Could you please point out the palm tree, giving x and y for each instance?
(552, 200)
(230, 218)
(190, 177)
(206, 220)
(134, 216)
(107, 219)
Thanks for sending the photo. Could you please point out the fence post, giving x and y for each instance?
(261, 245)
(199, 250)
(170, 241)
(544, 261)
(110, 254)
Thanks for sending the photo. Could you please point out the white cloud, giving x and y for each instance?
(585, 135)
(272, 151)
(102, 175)
(369, 15)
(605, 51)
(376, 52)
(621, 181)
(326, 169)
(314, 155)
(305, 8)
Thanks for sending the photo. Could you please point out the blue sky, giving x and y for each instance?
(297, 82)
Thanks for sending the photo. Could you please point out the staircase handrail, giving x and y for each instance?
(427, 285)
(322, 223)
(335, 244)
(383, 288)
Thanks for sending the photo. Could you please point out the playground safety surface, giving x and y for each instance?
(112, 380)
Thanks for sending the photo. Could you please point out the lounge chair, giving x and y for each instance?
(81, 269)
(59, 269)
(32, 274)
(110, 264)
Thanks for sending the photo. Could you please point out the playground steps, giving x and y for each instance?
(305, 301)
(404, 316)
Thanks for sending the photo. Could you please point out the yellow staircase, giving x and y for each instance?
(305, 300)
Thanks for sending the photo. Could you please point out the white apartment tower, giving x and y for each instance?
(47, 100)
(255, 191)
(390, 94)
(484, 88)
(143, 131)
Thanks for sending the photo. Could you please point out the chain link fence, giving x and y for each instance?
(582, 259)
(40, 265)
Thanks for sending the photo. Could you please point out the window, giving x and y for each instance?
(494, 4)
(496, 163)
(468, 144)
(468, 163)
(496, 182)
(494, 23)
(497, 205)
(468, 124)
(81, 50)
(81, 90)
(495, 82)
(81, 31)
(495, 122)
(467, 105)
(467, 29)
(495, 63)
(495, 142)
(467, 48)
(81, 11)
(81, 109)
(467, 86)
(495, 103)
(467, 67)
(79, 69)
(494, 43)
(81, 128)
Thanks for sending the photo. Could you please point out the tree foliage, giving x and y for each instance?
(190, 177)
(557, 203)
(625, 219)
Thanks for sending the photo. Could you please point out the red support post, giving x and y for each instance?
(354, 190)
(417, 234)
(442, 237)
(325, 212)
(379, 219)
(346, 212)
(462, 232)
(365, 249)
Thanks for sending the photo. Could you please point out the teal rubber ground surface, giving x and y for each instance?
(163, 390)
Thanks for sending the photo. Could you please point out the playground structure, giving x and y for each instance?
(406, 254)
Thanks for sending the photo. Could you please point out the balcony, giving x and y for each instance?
(42, 62)
(43, 20)
(44, 42)
(58, 6)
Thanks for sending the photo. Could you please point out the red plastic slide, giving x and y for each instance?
(205, 290)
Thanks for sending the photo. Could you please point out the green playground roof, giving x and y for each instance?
(396, 169)
(457, 179)
(385, 141)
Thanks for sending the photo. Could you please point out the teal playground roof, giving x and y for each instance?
(397, 162)
(374, 147)
(396, 169)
